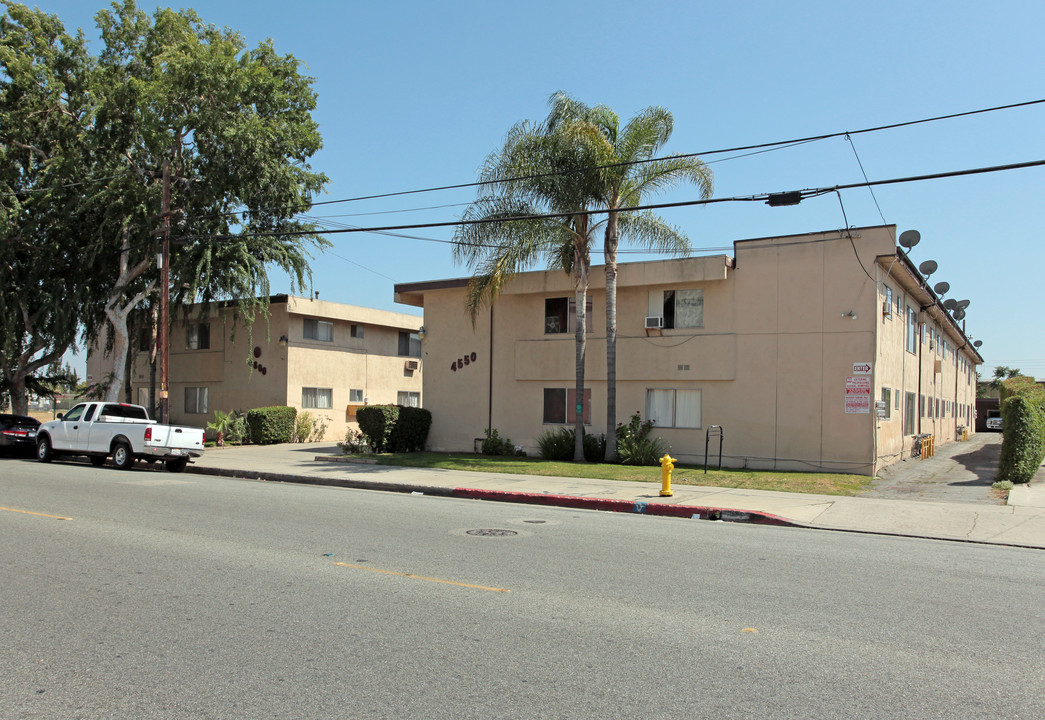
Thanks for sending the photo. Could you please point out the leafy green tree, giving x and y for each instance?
(538, 171)
(232, 129)
(1001, 374)
(45, 113)
(630, 173)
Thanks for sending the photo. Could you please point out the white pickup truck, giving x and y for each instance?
(101, 429)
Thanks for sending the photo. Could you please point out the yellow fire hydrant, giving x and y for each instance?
(667, 464)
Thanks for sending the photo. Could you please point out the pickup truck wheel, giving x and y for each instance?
(44, 453)
(122, 459)
(177, 465)
(97, 460)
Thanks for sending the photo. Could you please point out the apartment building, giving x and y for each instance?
(322, 357)
(825, 351)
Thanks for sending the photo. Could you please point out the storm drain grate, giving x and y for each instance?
(491, 532)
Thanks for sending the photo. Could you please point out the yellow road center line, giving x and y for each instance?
(29, 512)
(422, 577)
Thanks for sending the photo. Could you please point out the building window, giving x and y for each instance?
(409, 344)
(679, 308)
(408, 399)
(355, 396)
(145, 340)
(673, 408)
(197, 337)
(888, 305)
(912, 330)
(317, 398)
(888, 402)
(318, 330)
(145, 397)
(560, 315)
(908, 416)
(356, 331)
(197, 401)
(560, 406)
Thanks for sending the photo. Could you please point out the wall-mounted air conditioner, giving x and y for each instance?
(654, 321)
(412, 364)
(887, 309)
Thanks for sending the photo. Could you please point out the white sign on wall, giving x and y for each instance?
(858, 395)
(862, 368)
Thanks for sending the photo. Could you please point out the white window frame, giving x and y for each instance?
(317, 398)
(318, 330)
(658, 305)
(355, 396)
(663, 407)
(192, 336)
(200, 396)
(408, 398)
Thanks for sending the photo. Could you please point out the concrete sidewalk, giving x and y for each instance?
(1020, 523)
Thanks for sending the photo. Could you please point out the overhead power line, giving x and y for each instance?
(759, 148)
(792, 197)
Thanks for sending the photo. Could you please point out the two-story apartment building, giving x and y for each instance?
(323, 357)
(825, 351)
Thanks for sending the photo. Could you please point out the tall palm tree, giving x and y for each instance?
(628, 172)
(536, 172)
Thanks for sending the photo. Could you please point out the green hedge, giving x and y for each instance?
(377, 422)
(410, 432)
(1023, 425)
(394, 428)
(271, 425)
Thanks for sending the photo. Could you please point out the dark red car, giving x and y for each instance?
(17, 434)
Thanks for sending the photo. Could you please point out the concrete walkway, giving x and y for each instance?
(1020, 523)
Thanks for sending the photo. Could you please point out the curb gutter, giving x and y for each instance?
(694, 512)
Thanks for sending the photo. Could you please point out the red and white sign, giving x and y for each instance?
(857, 395)
(862, 368)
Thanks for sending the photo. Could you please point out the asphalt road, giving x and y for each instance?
(182, 596)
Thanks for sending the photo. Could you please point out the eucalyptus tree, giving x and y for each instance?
(533, 209)
(232, 127)
(45, 114)
(630, 171)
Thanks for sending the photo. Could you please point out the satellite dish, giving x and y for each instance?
(959, 314)
(910, 238)
(950, 303)
(962, 304)
(928, 267)
(977, 343)
(941, 288)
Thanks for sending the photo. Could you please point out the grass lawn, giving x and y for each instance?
(817, 483)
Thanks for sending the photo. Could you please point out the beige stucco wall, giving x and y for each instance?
(771, 360)
(249, 366)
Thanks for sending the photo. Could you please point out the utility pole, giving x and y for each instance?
(165, 296)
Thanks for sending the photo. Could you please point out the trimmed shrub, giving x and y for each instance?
(271, 425)
(1023, 425)
(494, 444)
(410, 432)
(377, 422)
(559, 445)
(635, 446)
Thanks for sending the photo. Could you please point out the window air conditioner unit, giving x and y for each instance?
(412, 364)
(887, 309)
(654, 321)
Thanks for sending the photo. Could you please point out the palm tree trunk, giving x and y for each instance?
(581, 263)
(612, 235)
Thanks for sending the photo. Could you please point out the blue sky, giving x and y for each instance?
(416, 94)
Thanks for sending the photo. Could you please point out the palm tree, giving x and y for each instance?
(536, 172)
(628, 173)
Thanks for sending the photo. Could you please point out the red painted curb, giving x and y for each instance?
(662, 509)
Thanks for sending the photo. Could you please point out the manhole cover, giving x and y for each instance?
(491, 532)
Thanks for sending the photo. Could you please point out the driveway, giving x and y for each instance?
(959, 472)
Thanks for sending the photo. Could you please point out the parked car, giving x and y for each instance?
(994, 420)
(99, 429)
(17, 434)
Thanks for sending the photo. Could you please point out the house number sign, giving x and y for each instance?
(461, 362)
